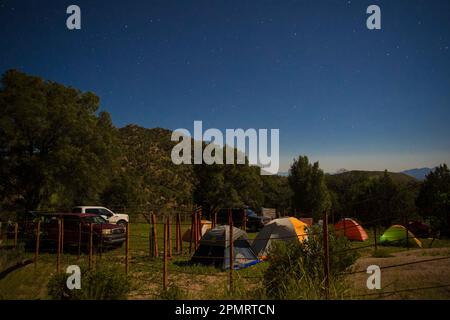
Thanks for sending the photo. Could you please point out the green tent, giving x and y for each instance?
(396, 236)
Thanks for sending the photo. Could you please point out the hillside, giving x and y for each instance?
(396, 176)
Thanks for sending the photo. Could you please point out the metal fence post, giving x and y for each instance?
(79, 240)
(326, 264)
(36, 253)
(16, 232)
(231, 250)
(155, 236)
(58, 251)
(91, 244)
(169, 235)
(127, 246)
(62, 236)
(177, 234)
(165, 258)
(375, 236)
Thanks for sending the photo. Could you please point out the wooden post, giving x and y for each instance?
(177, 234)
(100, 251)
(62, 236)
(196, 230)
(91, 244)
(407, 233)
(326, 264)
(38, 236)
(191, 238)
(58, 251)
(16, 232)
(155, 236)
(375, 236)
(165, 258)
(150, 238)
(215, 219)
(127, 246)
(79, 240)
(169, 235)
(231, 249)
(345, 228)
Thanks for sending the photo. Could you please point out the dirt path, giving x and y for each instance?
(418, 275)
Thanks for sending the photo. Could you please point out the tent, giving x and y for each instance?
(396, 235)
(350, 229)
(214, 249)
(205, 226)
(282, 229)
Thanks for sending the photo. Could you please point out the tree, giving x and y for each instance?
(308, 185)
(54, 148)
(434, 199)
(228, 185)
(277, 192)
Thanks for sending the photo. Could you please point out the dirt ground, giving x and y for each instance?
(418, 275)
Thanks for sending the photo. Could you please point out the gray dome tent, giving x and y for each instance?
(214, 249)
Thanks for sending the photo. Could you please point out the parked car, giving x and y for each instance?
(76, 230)
(253, 221)
(115, 218)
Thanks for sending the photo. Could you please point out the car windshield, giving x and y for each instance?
(251, 213)
(95, 219)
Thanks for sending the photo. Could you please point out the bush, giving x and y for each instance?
(11, 257)
(100, 284)
(173, 292)
(296, 269)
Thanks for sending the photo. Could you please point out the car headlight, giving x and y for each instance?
(106, 231)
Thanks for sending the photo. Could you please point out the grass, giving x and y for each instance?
(185, 280)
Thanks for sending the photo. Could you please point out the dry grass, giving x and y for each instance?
(417, 275)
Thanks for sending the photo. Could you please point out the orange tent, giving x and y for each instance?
(350, 229)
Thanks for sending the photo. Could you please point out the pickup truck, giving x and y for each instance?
(112, 217)
(76, 230)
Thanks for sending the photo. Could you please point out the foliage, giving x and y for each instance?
(54, 147)
(100, 284)
(434, 199)
(277, 192)
(228, 186)
(372, 198)
(296, 270)
(310, 193)
(173, 292)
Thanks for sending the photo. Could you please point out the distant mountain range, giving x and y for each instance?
(417, 173)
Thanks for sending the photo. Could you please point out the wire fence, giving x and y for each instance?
(155, 245)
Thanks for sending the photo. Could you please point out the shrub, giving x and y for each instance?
(296, 269)
(173, 292)
(100, 284)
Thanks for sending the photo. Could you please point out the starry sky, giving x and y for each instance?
(344, 95)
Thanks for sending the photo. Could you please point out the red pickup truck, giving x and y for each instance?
(76, 230)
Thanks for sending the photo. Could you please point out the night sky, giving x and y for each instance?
(342, 94)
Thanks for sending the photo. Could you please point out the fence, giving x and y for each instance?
(143, 246)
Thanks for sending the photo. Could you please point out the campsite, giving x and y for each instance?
(211, 280)
(269, 151)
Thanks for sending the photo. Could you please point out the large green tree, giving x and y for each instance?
(310, 193)
(434, 199)
(55, 148)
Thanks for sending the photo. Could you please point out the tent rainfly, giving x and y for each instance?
(350, 229)
(395, 235)
(282, 229)
(214, 249)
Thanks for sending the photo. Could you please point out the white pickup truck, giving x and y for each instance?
(114, 218)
